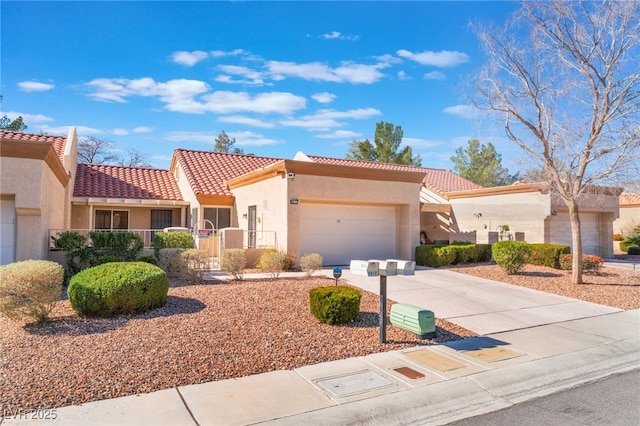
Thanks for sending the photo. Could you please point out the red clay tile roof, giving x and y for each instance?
(440, 181)
(207, 171)
(628, 199)
(103, 181)
(57, 141)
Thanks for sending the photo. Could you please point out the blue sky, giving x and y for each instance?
(280, 77)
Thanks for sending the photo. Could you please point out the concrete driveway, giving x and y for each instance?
(477, 304)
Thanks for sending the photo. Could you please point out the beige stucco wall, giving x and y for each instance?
(39, 202)
(270, 198)
(273, 197)
(523, 212)
(629, 219)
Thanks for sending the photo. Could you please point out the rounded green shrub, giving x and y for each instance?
(590, 262)
(633, 250)
(29, 289)
(118, 288)
(335, 304)
(511, 255)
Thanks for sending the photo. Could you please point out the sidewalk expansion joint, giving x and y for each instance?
(187, 407)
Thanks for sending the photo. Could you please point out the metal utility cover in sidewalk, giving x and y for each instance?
(352, 384)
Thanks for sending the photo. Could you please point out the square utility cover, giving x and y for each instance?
(352, 384)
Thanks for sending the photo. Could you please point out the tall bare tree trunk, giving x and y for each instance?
(576, 242)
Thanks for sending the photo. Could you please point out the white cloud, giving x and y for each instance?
(463, 111)
(142, 129)
(34, 86)
(206, 137)
(188, 58)
(241, 119)
(222, 53)
(336, 35)
(270, 102)
(120, 132)
(248, 75)
(253, 139)
(317, 71)
(403, 76)
(443, 58)
(324, 97)
(340, 134)
(63, 130)
(328, 119)
(27, 118)
(419, 143)
(193, 96)
(435, 75)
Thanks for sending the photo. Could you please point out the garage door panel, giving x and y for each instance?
(561, 231)
(340, 233)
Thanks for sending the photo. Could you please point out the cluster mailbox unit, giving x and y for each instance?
(415, 319)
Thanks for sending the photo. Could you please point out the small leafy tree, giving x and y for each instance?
(9, 125)
(225, 144)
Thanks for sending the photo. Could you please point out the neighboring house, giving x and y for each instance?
(126, 198)
(629, 214)
(37, 176)
(536, 215)
(435, 210)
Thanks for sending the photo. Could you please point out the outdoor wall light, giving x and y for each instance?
(478, 215)
(244, 215)
(553, 212)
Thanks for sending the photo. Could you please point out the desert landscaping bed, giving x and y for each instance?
(204, 333)
(219, 330)
(618, 288)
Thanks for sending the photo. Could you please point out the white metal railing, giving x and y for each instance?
(145, 234)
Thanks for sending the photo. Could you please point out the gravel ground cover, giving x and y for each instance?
(223, 330)
(204, 333)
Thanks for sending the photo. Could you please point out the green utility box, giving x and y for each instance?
(415, 319)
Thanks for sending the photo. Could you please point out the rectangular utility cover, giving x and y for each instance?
(366, 268)
(415, 319)
(404, 267)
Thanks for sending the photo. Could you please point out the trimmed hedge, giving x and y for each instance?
(335, 304)
(548, 254)
(181, 240)
(435, 256)
(118, 288)
(633, 250)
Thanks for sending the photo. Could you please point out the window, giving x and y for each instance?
(161, 219)
(220, 217)
(111, 219)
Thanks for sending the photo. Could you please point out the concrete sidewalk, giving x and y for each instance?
(519, 360)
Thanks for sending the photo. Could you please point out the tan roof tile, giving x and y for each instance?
(104, 181)
(440, 181)
(57, 141)
(628, 199)
(207, 171)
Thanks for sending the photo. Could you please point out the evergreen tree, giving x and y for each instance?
(385, 148)
(481, 165)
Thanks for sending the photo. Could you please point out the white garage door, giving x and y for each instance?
(7, 231)
(561, 231)
(340, 233)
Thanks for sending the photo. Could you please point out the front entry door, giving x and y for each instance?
(252, 226)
